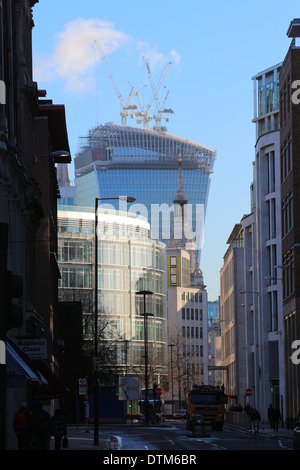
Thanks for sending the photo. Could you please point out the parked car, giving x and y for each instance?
(179, 414)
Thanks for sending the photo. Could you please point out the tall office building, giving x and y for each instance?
(129, 261)
(187, 308)
(290, 206)
(143, 163)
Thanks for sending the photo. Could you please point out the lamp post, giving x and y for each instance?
(171, 346)
(96, 407)
(145, 314)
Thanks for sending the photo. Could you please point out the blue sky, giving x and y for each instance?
(215, 49)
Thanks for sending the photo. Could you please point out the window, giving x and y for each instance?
(272, 218)
(288, 274)
(183, 313)
(271, 171)
(173, 271)
(286, 157)
(287, 213)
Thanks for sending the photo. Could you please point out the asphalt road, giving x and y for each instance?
(173, 437)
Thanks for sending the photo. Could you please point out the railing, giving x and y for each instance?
(238, 418)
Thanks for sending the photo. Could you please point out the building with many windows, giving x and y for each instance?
(251, 284)
(128, 261)
(187, 309)
(290, 207)
(142, 163)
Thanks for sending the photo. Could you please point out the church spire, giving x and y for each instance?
(180, 197)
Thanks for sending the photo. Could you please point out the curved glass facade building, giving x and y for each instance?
(128, 261)
(143, 163)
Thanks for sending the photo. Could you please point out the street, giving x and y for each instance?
(172, 437)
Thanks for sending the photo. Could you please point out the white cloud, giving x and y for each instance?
(155, 58)
(75, 54)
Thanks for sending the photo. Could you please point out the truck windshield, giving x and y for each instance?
(205, 399)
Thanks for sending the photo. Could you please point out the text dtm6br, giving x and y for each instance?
(206, 402)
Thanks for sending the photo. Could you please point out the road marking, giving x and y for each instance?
(172, 442)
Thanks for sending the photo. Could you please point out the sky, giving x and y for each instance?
(215, 48)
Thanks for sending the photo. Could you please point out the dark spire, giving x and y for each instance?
(180, 197)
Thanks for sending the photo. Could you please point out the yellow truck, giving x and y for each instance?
(205, 403)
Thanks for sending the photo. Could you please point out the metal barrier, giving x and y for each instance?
(237, 418)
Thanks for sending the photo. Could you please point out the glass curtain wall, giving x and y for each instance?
(126, 264)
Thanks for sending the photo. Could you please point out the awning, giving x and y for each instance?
(45, 383)
(19, 363)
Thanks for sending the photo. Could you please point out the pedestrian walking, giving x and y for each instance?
(40, 428)
(276, 418)
(271, 416)
(58, 428)
(255, 417)
(22, 427)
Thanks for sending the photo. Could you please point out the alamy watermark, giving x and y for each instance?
(2, 92)
(296, 93)
(295, 357)
(162, 225)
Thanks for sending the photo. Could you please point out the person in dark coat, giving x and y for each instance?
(40, 427)
(58, 428)
(271, 416)
(276, 418)
(22, 427)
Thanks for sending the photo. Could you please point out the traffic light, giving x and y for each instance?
(14, 291)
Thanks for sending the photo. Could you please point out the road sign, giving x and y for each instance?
(82, 386)
(128, 388)
(248, 392)
(159, 391)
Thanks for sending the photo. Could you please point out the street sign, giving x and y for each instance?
(159, 391)
(35, 348)
(82, 386)
(248, 392)
(128, 388)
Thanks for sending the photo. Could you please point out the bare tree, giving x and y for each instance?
(108, 338)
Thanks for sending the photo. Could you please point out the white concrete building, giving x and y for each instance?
(187, 310)
(232, 318)
(260, 346)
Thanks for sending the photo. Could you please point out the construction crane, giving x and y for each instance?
(161, 111)
(125, 107)
(145, 112)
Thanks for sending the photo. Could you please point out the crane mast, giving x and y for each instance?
(124, 106)
(155, 91)
(143, 114)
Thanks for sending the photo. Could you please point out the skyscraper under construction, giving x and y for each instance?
(120, 160)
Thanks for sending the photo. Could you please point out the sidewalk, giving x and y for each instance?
(80, 439)
(281, 433)
(269, 432)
